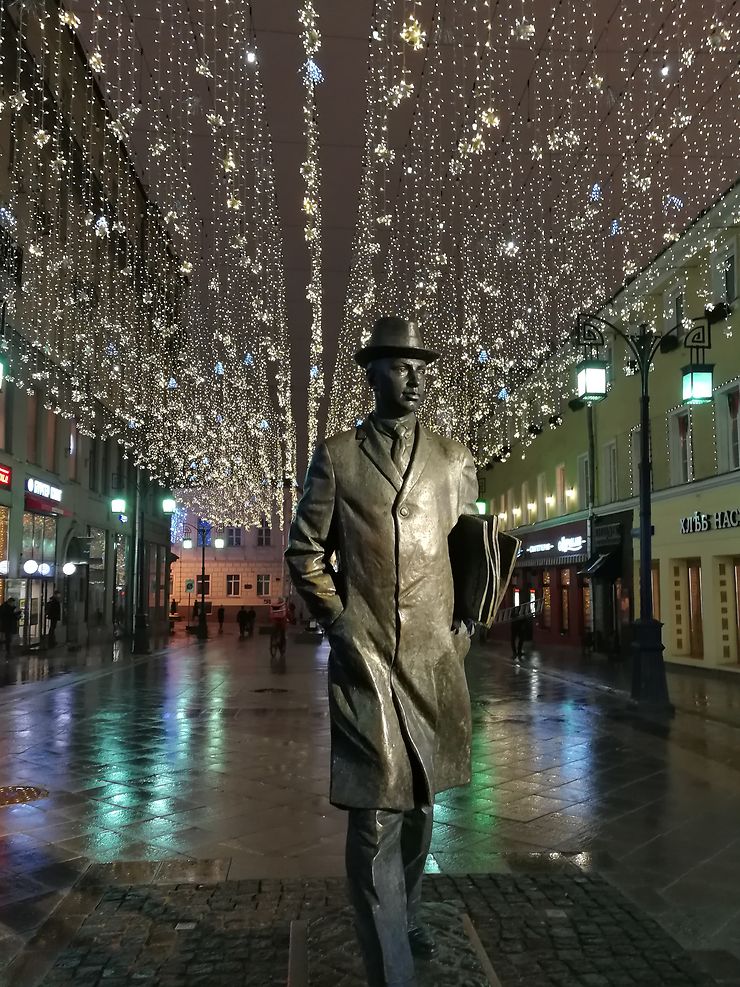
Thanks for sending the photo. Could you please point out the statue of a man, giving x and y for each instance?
(384, 497)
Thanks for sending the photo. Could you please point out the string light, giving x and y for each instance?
(311, 174)
(535, 181)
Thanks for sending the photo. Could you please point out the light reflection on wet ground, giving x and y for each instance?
(192, 754)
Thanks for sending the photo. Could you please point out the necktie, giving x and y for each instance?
(400, 453)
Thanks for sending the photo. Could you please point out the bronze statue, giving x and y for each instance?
(384, 497)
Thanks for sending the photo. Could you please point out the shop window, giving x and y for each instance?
(587, 604)
(546, 618)
(695, 614)
(233, 584)
(203, 584)
(233, 537)
(264, 536)
(728, 428)
(655, 576)
(564, 601)
(263, 585)
(680, 447)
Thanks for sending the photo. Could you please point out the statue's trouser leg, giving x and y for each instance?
(416, 836)
(377, 890)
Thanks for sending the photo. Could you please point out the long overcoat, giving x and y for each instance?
(398, 697)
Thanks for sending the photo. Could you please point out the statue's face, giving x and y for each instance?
(399, 383)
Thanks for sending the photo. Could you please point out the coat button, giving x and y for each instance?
(403, 511)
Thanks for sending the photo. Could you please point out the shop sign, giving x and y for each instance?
(43, 489)
(608, 534)
(718, 521)
(572, 544)
(543, 547)
(6, 475)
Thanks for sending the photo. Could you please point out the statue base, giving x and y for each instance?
(332, 954)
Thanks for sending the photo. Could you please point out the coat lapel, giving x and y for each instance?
(375, 450)
(419, 458)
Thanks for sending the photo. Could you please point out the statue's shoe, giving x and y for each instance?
(422, 943)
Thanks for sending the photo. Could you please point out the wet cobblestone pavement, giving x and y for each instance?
(200, 753)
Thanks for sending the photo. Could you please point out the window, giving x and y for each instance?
(673, 305)
(233, 539)
(5, 418)
(728, 278)
(92, 463)
(263, 538)
(31, 427)
(560, 489)
(680, 447)
(263, 585)
(525, 515)
(541, 494)
(203, 584)
(584, 482)
(609, 474)
(728, 429)
(49, 439)
(72, 449)
(232, 584)
(203, 532)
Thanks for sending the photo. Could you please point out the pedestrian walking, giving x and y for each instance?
(220, 616)
(9, 622)
(53, 616)
(242, 619)
(251, 617)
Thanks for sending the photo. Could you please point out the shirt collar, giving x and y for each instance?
(388, 425)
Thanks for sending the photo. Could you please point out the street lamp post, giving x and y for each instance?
(649, 684)
(203, 531)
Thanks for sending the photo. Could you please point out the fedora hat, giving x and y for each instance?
(392, 336)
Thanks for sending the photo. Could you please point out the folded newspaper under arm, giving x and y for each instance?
(482, 559)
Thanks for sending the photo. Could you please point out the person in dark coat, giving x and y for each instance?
(220, 616)
(384, 497)
(53, 616)
(242, 619)
(9, 622)
(251, 617)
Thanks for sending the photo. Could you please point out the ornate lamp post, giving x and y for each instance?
(649, 685)
(204, 530)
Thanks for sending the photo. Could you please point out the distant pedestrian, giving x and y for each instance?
(521, 631)
(9, 622)
(53, 615)
(251, 617)
(220, 616)
(173, 606)
(196, 609)
(242, 618)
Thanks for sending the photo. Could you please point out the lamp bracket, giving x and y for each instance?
(588, 334)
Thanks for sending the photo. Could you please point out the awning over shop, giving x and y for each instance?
(40, 505)
(604, 565)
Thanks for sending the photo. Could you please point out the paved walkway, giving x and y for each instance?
(201, 753)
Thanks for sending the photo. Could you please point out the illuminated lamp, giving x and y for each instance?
(697, 383)
(591, 380)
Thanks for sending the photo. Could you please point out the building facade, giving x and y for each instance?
(248, 571)
(75, 223)
(567, 482)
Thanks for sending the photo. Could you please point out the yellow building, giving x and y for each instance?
(559, 475)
